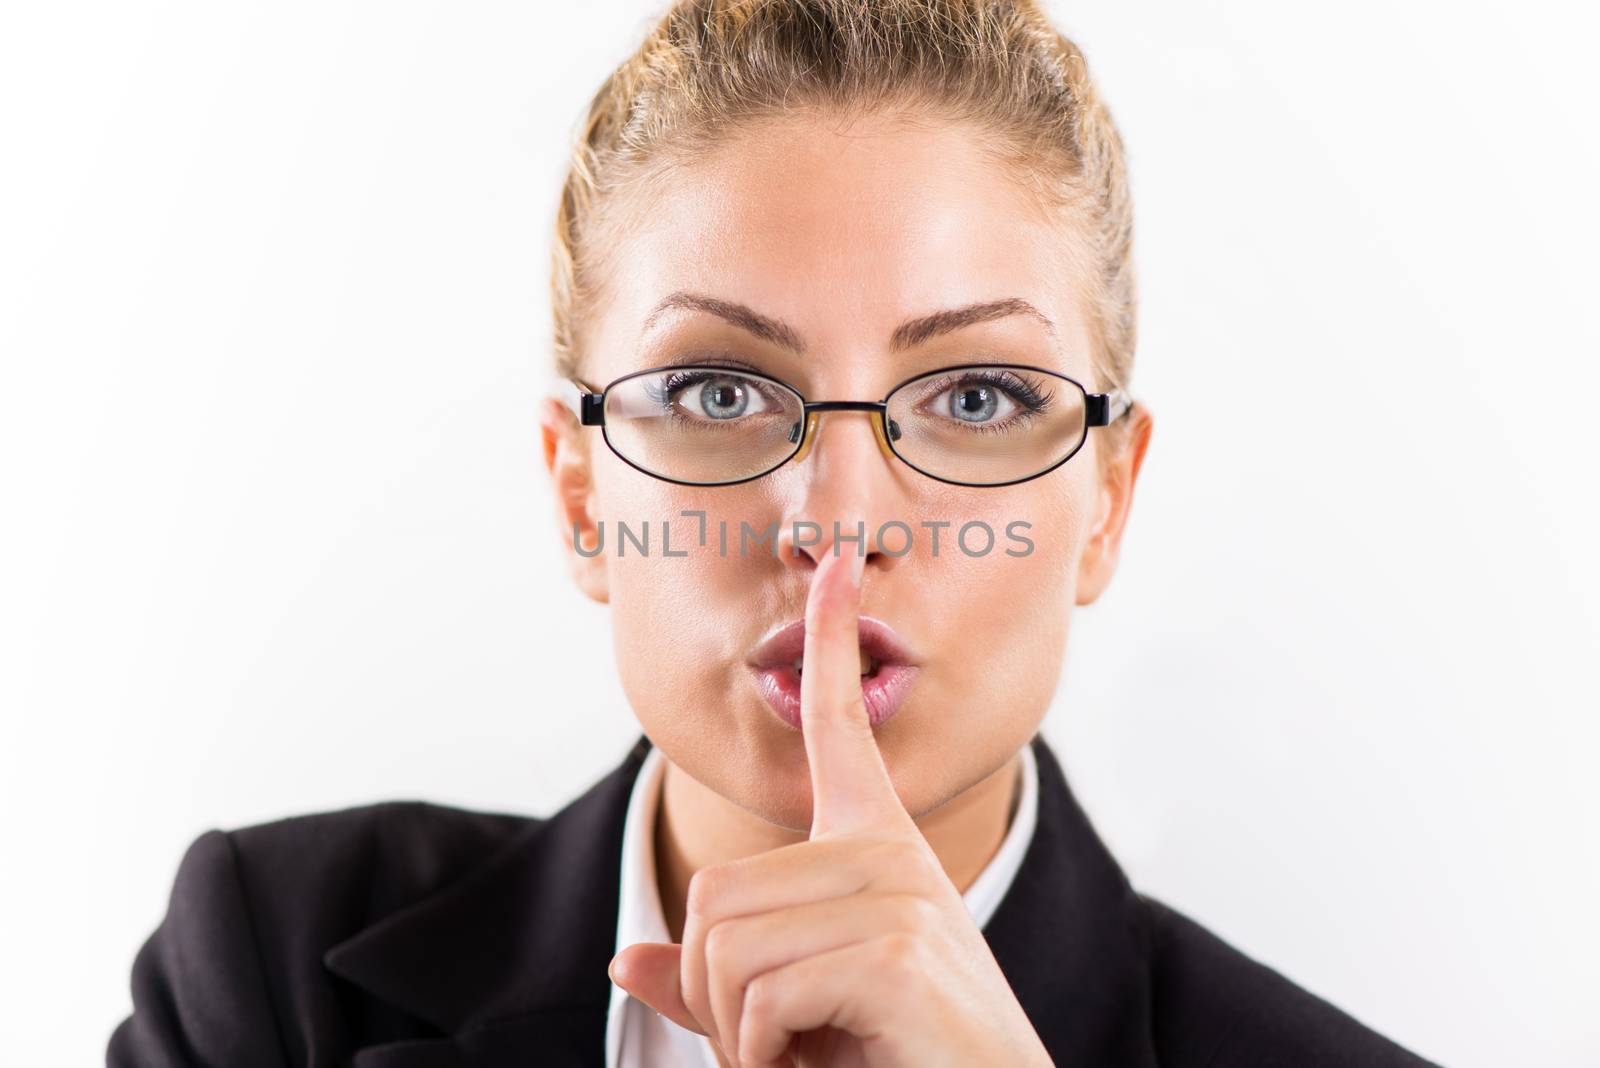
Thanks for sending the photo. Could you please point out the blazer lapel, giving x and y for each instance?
(512, 958)
(1071, 938)
(510, 961)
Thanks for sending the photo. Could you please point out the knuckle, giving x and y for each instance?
(760, 1009)
(908, 860)
(705, 889)
(720, 941)
(924, 866)
(922, 917)
(900, 958)
(696, 1003)
(882, 861)
(906, 850)
(752, 1037)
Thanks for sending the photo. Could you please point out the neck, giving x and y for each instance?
(697, 828)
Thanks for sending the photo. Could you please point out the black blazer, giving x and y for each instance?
(412, 935)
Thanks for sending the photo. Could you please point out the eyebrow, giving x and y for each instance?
(915, 331)
(907, 335)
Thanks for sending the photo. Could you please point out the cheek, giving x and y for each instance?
(1002, 619)
(679, 623)
(671, 648)
(993, 629)
(1041, 523)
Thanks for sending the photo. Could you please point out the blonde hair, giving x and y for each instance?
(707, 66)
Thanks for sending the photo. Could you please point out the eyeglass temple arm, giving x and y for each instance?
(1107, 408)
(584, 403)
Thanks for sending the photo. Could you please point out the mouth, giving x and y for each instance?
(887, 669)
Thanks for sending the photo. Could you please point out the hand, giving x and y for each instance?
(850, 948)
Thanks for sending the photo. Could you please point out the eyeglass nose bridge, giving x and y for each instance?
(883, 428)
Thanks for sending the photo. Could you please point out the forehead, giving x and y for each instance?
(843, 233)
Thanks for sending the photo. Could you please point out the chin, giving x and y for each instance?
(751, 757)
(778, 788)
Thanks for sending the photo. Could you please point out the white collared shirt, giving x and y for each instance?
(639, 1037)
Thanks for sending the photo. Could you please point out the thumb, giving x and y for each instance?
(649, 971)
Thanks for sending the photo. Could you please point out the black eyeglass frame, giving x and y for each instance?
(1100, 409)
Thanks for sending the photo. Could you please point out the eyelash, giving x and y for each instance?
(1030, 400)
(663, 392)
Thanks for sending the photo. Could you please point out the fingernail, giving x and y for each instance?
(858, 564)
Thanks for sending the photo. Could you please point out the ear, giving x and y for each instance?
(1100, 551)
(566, 457)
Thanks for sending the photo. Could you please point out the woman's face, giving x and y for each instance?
(841, 236)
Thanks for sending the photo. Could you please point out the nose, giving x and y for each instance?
(883, 427)
(841, 489)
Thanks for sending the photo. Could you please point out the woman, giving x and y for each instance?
(845, 322)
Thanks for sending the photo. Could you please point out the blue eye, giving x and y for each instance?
(723, 398)
(974, 404)
(705, 396)
(990, 400)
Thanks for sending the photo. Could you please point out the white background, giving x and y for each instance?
(273, 318)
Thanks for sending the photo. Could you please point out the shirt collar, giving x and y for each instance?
(639, 915)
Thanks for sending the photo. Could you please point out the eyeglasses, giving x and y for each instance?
(980, 424)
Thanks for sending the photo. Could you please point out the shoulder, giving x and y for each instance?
(359, 863)
(253, 909)
(1214, 1005)
(302, 883)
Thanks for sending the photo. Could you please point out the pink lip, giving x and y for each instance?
(883, 692)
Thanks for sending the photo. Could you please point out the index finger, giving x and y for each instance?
(850, 787)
